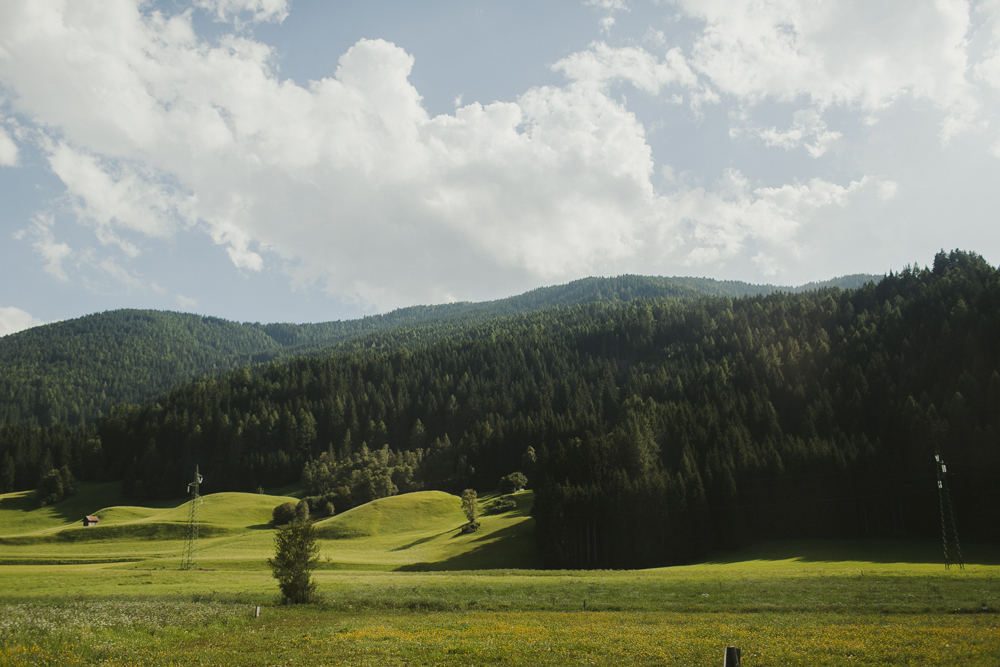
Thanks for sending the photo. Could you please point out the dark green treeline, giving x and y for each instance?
(661, 428)
(72, 372)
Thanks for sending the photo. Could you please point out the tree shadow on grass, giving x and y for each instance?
(260, 526)
(20, 503)
(508, 548)
(422, 540)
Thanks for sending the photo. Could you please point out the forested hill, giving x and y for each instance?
(657, 428)
(307, 337)
(71, 372)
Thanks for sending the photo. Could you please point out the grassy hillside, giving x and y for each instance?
(20, 514)
(416, 531)
(823, 602)
(410, 513)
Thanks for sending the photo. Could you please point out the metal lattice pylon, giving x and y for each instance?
(949, 529)
(191, 544)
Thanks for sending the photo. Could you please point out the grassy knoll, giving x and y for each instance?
(415, 531)
(401, 585)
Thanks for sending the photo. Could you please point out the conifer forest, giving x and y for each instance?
(652, 425)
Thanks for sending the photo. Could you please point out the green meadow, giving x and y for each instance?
(401, 585)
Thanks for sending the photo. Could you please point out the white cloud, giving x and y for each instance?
(347, 182)
(988, 69)
(45, 244)
(806, 123)
(887, 190)
(186, 303)
(14, 319)
(8, 150)
(123, 200)
(610, 5)
(724, 220)
(320, 176)
(602, 64)
(262, 10)
(112, 269)
(854, 53)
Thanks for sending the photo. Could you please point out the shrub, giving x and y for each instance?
(324, 505)
(283, 514)
(513, 482)
(503, 504)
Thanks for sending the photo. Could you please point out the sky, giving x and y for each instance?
(307, 161)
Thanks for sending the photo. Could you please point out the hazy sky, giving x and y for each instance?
(275, 160)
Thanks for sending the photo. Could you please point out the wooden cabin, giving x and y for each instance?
(90, 521)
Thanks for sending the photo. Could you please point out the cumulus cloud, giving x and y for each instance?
(602, 64)
(14, 319)
(347, 182)
(724, 220)
(118, 199)
(854, 53)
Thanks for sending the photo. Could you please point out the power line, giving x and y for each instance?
(949, 531)
(190, 553)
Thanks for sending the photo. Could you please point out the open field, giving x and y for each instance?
(401, 586)
(164, 633)
(780, 612)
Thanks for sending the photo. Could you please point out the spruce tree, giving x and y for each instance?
(296, 553)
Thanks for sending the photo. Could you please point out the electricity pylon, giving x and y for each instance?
(949, 530)
(191, 545)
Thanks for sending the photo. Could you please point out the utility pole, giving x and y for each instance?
(191, 544)
(949, 530)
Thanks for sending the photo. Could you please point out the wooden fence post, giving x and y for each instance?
(732, 657)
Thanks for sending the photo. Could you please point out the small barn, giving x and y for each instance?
(90, 521)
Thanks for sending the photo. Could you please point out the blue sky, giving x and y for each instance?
(275, 160)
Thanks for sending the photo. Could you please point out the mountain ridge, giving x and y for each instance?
(73, 371)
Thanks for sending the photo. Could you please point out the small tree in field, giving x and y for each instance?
(513, 482)
(470, 505)
(295, 555)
